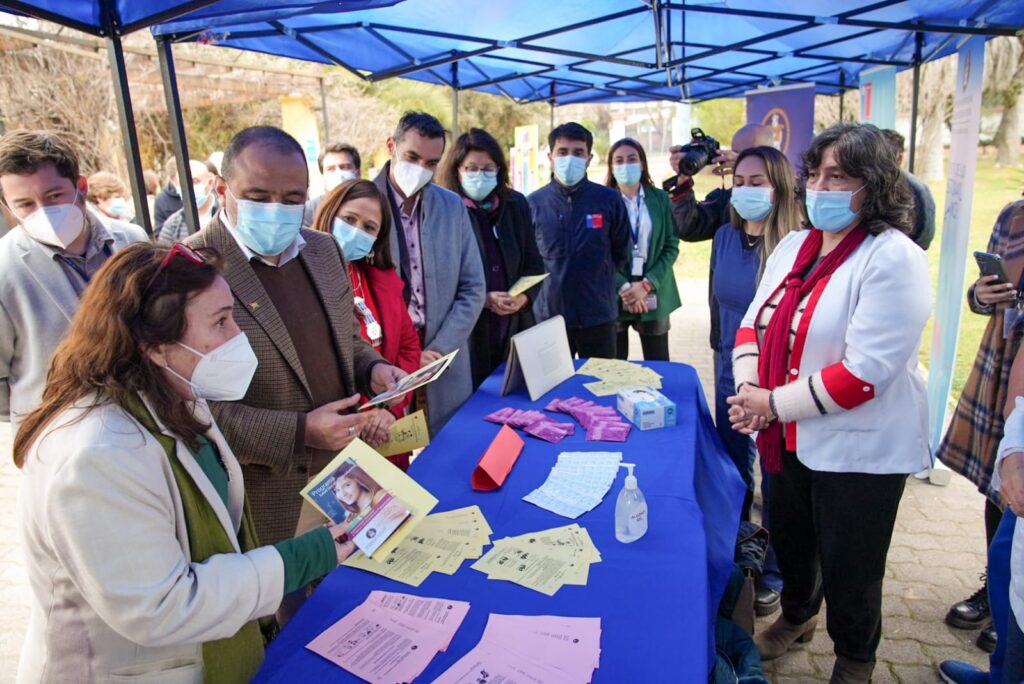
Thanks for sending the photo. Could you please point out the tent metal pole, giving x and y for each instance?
(165, 50)
(323, 109)
(553, 100)
(455, 100)
(842, 93)
(918, 45)
(129, 136)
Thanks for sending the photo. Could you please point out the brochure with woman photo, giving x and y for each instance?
(413, 381)
(380, 503)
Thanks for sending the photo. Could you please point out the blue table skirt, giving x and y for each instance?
(656, 597)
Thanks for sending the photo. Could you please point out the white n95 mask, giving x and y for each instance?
(224, 373)
(57, 225)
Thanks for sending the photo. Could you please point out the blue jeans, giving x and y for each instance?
(1013, 661)
(999, 597)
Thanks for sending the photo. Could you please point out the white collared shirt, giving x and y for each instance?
(639, 222)
(289, 253)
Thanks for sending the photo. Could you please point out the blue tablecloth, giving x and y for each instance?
(656, 597)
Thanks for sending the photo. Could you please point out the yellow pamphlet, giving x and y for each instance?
(525, 283)
(407, 434)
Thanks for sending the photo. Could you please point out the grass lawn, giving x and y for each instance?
(993, 189)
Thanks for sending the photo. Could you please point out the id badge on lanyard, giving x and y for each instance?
(637, 267)
(1012, 315)
(373, 329)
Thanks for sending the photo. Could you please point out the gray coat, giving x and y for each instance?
(453, 279)
(37, 303)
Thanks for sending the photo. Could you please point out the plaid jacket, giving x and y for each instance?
(262, 427)
(970, 444)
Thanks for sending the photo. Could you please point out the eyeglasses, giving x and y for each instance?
(179, 249)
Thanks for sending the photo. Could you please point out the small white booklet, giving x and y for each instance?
(413, 381)
(540, 358)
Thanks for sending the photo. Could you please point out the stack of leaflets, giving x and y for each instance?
(543, 561)
(379, 503)
(438, 544)
(391, 637)
(615, 375)
(543, 649)
(577, 483)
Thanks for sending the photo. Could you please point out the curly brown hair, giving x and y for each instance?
(863, 152)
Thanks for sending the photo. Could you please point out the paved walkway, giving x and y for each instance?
(936, 556)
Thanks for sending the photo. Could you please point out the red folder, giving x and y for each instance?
(497, 461)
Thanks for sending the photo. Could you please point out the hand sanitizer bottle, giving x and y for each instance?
(630, 510)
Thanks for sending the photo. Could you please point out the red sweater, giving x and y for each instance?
(400, 346)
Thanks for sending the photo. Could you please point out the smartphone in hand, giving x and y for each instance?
(991, 264)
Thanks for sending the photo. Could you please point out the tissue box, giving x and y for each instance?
(646, 408)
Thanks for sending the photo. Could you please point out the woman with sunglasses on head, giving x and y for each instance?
(359, 217)
(825, 363)
(647, 284)
(476, 170)
(141, 553)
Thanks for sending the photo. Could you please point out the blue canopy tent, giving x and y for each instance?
(112, 19)
(608, 50)
(537, 50)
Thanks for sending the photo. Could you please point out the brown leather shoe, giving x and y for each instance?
(848, 671)
(778, 638)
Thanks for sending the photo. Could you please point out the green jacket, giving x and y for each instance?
(661, 258)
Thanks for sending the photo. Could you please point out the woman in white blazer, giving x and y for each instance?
(826, 373)
(140, 551)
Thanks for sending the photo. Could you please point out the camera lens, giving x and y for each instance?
(695, 158)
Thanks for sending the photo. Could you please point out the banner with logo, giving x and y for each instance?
(789, 113)
(878, 97)
(956, 228)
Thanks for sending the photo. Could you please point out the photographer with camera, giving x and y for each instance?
(698, 221)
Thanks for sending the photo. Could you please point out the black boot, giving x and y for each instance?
(987, 638)
(973, 612)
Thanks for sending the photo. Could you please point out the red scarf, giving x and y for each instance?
(773, 364)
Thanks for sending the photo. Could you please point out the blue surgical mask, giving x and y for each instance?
(478, 184)
(201, 193)
(267, 228)
(570, 170)
(751, 203)
(627, 174)
(355, 244)
(118, 207)
(829, 210)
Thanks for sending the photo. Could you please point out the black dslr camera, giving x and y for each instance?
(698, 154)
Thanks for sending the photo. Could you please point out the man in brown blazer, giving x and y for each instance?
(293, 300)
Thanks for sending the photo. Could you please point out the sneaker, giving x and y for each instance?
(987, 638)
(956, 672)
(973, 612)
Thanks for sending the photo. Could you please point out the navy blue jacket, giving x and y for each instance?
(584, 237)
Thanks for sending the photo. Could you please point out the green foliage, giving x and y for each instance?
(720, 118)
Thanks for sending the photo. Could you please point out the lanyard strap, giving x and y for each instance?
(78, 269)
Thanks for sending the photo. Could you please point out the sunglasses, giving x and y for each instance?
(179, 249)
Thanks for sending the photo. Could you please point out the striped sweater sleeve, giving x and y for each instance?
(745, 357)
